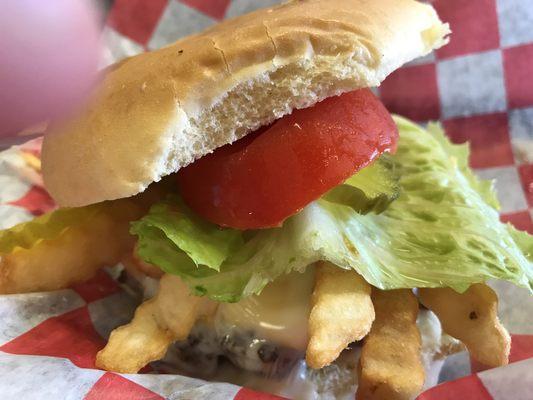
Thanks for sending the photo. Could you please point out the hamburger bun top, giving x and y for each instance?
(159, 111)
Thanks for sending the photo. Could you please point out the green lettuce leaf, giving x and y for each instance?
(523, 240)
(54, 223)
(45, 227)
(371, 189)
(204, 243)
(443, 230)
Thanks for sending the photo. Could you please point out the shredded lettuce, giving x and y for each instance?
(442, 230)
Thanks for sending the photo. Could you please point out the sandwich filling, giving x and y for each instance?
(416, 218)
(402, 213)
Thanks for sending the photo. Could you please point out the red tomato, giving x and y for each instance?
(273, 173)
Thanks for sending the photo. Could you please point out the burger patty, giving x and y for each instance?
(238, 356)
(206, 348)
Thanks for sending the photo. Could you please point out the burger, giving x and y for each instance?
(284, 229)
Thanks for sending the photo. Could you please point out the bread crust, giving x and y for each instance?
(159, 111)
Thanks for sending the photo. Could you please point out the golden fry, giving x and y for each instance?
(134, 345)
(472, 318)
(157, 323)
(74, 255)
(390, 366)
(341, 313)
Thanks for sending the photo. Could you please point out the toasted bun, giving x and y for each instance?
(159, 111)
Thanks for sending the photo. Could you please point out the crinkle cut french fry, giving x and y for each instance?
(74, 255)
(390, 365)
(341, 313)
(134, 345)
(471, 317)
(157, 323)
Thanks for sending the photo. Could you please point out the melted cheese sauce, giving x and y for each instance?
(279, 314)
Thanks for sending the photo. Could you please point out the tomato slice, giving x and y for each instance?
(269, 175)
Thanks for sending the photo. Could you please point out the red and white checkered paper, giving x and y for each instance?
(480, 86)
